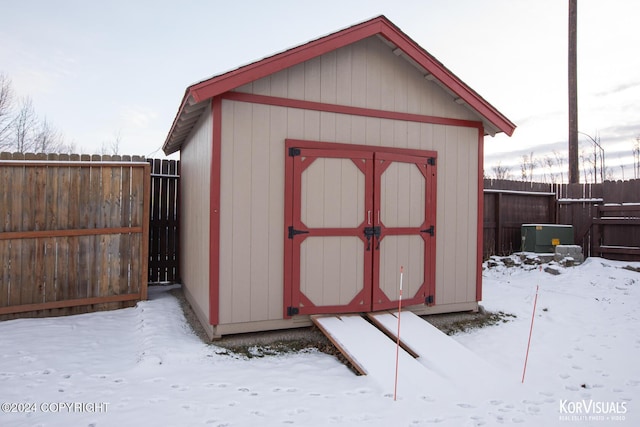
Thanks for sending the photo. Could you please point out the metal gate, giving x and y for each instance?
(354, 215)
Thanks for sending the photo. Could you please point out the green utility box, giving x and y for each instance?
(543, 238)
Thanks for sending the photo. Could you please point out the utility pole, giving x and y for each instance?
(574, 174)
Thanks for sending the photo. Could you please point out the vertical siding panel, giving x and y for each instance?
(449, 226)
(195, 159)
(328, 127)
(414, 137)
(241, 211)
(279, 84)
(400, 134)
(359, 76)
(311, 125)
(296, 81)
(295, 124)
(226, 212)
(374, 76)
(462, 214)
(373, 132)
(386, 133)
(344, 58)
(259, 227)
(328, 78)
(278, 123)
(343, 127)
(427, 140)
(358, 130)
(312, 79)
(262, 86)
(471, 138)
(331, 283)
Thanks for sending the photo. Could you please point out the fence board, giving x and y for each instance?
(163, 226)
(67, 240)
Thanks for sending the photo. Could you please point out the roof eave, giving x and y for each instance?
(198, 93)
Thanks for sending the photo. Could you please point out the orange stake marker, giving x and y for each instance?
(395, 387)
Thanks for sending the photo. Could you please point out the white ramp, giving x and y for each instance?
(438, 352)
(374, 354)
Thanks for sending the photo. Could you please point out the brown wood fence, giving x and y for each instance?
(73, 233)
(599, 227)
(164, 220)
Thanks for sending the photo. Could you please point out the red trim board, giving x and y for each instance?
(214, 213)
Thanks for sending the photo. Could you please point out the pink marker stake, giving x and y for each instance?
(395, 387)
(535, 301)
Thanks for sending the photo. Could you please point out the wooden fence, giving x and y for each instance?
(164, 219)
(588, 207)
(73, 233)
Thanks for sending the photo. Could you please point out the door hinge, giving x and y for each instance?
(429, 300)
(431, 161)
(292, 311)
(294, 151)
(293, 232)
(431, 230)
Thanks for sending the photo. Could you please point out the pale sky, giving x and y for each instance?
(94, 69)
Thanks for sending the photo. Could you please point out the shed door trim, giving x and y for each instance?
(368, 234)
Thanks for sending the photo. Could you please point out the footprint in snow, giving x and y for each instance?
(564, 376)
(633, 382)
(465, 405)
(495, 402)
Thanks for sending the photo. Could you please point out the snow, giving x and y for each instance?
(144, 366)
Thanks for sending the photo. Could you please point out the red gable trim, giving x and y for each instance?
(376, 26)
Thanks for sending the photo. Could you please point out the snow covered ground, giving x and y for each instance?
(143, 366)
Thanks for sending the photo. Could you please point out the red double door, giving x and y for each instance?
(354, 216)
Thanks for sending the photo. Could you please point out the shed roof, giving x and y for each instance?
(196, 96)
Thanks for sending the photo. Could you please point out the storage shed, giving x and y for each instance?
(309, 177)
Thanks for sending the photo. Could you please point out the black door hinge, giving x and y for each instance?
(429, 300)
(431, 161)
(293, 232)
(294, 151)
(292, 311)
(431, 230)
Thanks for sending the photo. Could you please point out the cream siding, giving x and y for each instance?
(365, 74)
(251, 256)
(195, 190)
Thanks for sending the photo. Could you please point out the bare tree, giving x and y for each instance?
(24, 127)
(587, 162)
(636, 158)
(6, 107)
(501, 172)
(527, 166)
(112, 147)
(560, 162)
(549, 163)
(47, 139)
